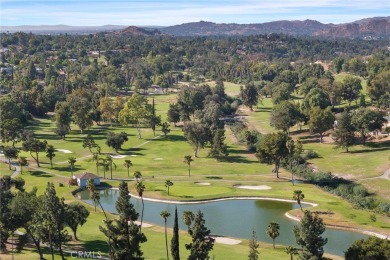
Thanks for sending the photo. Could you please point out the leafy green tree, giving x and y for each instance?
(196, 135)
(140, 187)
(165, 215)
(124, 232)
(55, 217)
(10, 130)
(344, 135)
(89, 142)
(218, 148)
(272, 149)
(273, 231)
(284, 115)
(187, 218)
(34, 146)
(250, 96)
(291, 251)
(168, 184)
(76, 214)
(308, 235)
(315, 98)
(128, 164)
(116, 140)
(50, 153)
(22, 161)
(350, 89)
(320, 120)
(253, 247)
(187, 160)
(80, 106)
(173, 113)
(379, 86)
(63, 118)
(201, 243)
(10, 153)
(298, 196)
(135, 110)
(281, 92)
(366, 120)
(165, 128)
(175, 238)
(372, 248)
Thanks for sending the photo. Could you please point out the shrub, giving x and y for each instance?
(72, 182)
(311, 155)
(60, 184)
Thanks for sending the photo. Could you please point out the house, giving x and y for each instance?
(82, 179)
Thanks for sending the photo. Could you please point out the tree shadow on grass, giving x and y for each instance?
(370, 150)
(171, 138)
(96, 246)
(40, 174)
(67, 168)
(235, 159)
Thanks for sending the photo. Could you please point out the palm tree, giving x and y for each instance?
(105, 164)
(165, 214)
(187, 218)
(110, 163)
(50, 154)
(140, 190)
(71, 161)
(96, 158)
(273, 231)
(291, 251)
(188, 160)
(137, 175)
(128, 164)
(168, 184)
(298, 196)
(93, 195)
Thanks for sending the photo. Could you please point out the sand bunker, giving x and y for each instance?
(145, 225)
(158, 159)
(259, 187)
(117, 156)
(133, 155)
(203, 183)
(227, 241)
(64, 151)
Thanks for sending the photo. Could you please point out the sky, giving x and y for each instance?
(172, 12)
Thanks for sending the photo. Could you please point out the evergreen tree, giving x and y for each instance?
(202, 243)
(175, 238)
(253, 247)
(308, 235)
(123, 233)
(344, 135)
(218, 147)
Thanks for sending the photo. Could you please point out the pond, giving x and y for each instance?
(234, 218)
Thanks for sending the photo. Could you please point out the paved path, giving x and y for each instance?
(385, 175)
(13, 164)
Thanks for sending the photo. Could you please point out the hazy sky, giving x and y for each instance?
(170, 12)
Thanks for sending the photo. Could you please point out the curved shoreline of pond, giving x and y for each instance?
(288, 215)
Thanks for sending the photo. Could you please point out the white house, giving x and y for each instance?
(82, 179)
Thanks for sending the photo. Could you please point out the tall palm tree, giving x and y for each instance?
(168, 184)
(105, 165)
(273, 231)
(140, 190)
(137, 175)
(111, 163)
(187, 218)
(93, 195)
(128, 164)
(188, 159)
(96, 158)
(298, 196)
(71, 161)
(165, 214)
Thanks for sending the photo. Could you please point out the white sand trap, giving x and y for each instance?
(145, 225)
(203, 183)
(117, 156)
(259, 187)
(133, 155)
(227, 241)
(64, 151)
(158, 159)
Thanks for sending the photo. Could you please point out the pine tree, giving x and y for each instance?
(202, 243)
(308, 235)
(344, 135)
(175, 238)
(123, 233)
(253, 246)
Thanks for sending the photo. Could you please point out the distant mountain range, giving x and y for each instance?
(368, 27)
